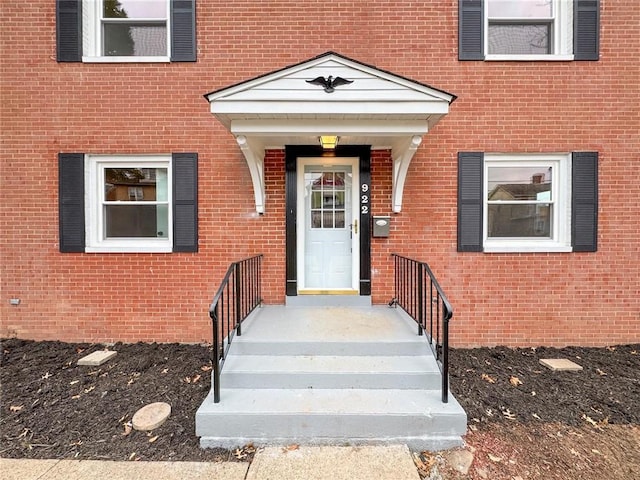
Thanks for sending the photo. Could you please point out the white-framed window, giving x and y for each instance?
(527, 201)
(528, 29)
(126, 30)
(128, 203)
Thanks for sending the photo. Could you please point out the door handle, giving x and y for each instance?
(355, 226)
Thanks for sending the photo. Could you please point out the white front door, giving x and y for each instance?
(328, 256)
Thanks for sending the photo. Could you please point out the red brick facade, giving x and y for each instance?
(513, 299)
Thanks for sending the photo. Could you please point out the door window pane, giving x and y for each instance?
(328, 197)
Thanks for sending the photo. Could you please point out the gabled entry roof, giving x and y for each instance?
(360, 103)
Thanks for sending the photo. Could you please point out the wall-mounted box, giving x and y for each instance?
(381, 226)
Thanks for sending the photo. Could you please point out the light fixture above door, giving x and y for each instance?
(329, 142)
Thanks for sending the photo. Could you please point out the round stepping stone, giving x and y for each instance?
(151, 416)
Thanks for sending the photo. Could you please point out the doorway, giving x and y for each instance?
(328, 246)
(328, 233)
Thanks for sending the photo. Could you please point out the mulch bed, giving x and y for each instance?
(53, 408)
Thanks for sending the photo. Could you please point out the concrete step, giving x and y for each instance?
(330, 416)
(245, 345)
(330, 372)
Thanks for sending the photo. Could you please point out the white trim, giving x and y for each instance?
(94, 193)
(309, 126)
(529, 58)
(560, 192)
(281, 108)
(302, 162)
(131, 59)
(515, 247)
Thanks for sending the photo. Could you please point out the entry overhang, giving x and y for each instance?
(291, 107)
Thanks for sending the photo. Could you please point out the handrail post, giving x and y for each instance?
(238, 295)
(445, 359)
(216, 355)
(420, 300)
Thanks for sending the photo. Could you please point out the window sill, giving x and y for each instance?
(126, 60)
(129, 249)
(528, 58)
(524, 247)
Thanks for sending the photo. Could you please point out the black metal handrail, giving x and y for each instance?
(419, 294)
(239, 294)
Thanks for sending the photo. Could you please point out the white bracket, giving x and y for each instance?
(255, 161)
(401, 160)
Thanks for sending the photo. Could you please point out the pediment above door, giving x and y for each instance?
(368, 106)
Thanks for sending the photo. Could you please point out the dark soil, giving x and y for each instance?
(506, 385)
(52, 408)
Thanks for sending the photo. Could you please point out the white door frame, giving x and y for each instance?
(302, 162)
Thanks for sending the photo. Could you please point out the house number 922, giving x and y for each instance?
(364, 199)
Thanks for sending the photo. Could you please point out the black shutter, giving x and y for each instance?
(71, 202)
(584, 201)
(586, 29)
(183, 30)
(185, 202)
(69, 30)
(470, 186)
(470, 30)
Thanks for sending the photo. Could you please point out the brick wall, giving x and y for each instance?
(513, 299)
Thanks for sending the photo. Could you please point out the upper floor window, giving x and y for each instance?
(528, 29)
(131, 28)
(126, 30)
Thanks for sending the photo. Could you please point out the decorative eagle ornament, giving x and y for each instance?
(329, 84)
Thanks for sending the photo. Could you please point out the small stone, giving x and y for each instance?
(460, 460)
(482, 472)
(97, 358)
(560, 365)
(151, 416)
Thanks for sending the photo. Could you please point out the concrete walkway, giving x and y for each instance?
(271, 463)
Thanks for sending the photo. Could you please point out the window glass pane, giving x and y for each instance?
(521, 8)
(134, 40)
(162, 221)
(316, 199)
(339, 200)
(327, 220)
(524, 39)
(524, 220)
(316, 180)
(135, 184)
(339, 218)
(134, 220)
(134, 8)
(519, 183)
(316, 219)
